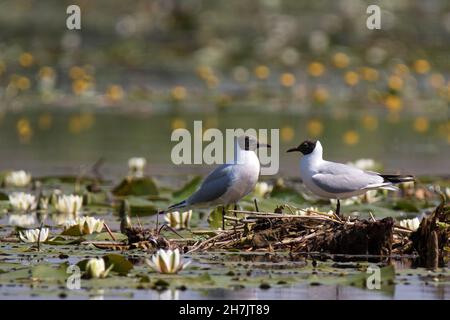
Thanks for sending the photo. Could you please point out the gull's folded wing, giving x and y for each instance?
(340, 178)
(214, 186)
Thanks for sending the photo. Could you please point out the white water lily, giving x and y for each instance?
(60, 219)
(22, 201)
(262, 188)
(95, 268)
(167, 261)
(21, 220)
(411, 224)
(365, 164)
(310, 211)
(69, 204)
(179, 220)
(86, 225)
(43, 203)
(17, 179)
(136, 167)
(33, 235)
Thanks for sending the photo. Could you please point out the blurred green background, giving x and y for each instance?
(139, 69)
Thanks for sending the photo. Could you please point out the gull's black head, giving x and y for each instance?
(250, 143)
(306, 147)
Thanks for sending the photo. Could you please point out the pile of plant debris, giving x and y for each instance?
(317, 232)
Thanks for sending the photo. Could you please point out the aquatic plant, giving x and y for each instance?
(69, 204)
(33, 235)
(95, 268)
(179, 220)
(17, 178)
(136, 166)
(411, 224)
(85, 225)
(22, 201)
(167, 261)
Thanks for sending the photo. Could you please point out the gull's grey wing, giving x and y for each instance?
(340, 178)
(214, 186)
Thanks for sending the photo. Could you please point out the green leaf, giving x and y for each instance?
(120, 264)
(136, 187)
(187, 189)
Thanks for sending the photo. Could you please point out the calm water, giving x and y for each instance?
(63, 142)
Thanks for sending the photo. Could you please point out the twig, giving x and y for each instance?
(39, 237)
(109, 231)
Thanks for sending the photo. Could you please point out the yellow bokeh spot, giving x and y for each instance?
(178, 93)
(421, 66)
(75, 125)
(114, 93)
(262, 72)
(370, 123)
(178, 123)
(316, 69)
(369, 74)
(204, 72)
(320, 95)
(23, 83)
(287, 134)
(341, 60)
(46, 73)
(395, 83)
(351, 78)
(211, 122)
(351, 137)
(421, 124)
(436, 80)
(401, 69)
(26, 59)
(80, 122)
(45, 121)
(24, 130)
(77, 73)
(287, 79)
(393, 103)
(80, 86)
(314, 128)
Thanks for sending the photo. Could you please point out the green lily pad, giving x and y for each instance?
(136, 187)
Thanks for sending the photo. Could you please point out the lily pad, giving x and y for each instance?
(136, 187)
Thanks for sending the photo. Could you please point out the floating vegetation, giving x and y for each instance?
(292, 240)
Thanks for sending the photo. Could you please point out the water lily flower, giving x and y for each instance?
(365, 164)
(167, 261)
(87, 225)
(262, 188)
(179, 220)
(411, 224)
(43, 203)
(18, 179)
(33, 235)
(21, 220)
(311, 210)
(60, 219)
(69, 204)
(136, 167)
(22, 201)
(95, 268)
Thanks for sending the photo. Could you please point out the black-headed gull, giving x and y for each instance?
(333, 180)
(230, 182)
